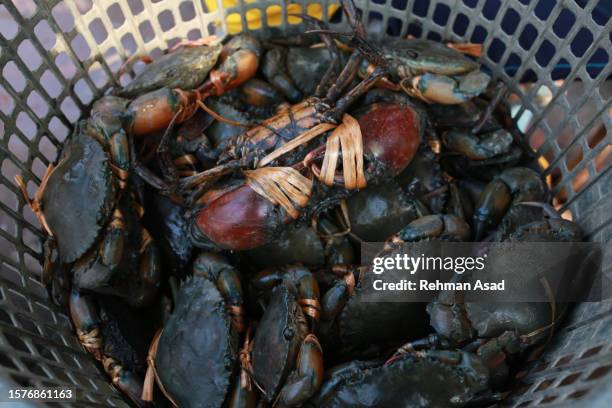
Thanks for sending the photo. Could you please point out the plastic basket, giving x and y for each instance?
(57, 56)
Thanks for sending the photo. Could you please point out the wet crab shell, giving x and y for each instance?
(80, 194)
(392, 134)
(185, 69)
(277, 341)
(407, 382)
(198, 349)
(238, 219)
(377, 212)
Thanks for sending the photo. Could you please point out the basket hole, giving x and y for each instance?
(603, 160)
(601, 12)
(527, 37)
(596, 134)
(234, 22)
(394, 27)
(34, 367)
(36, 103)
(16, 343)
(573, 157)
(31, 240)
(115, 14)
(97, 29)
(415, 30)
(556, 114)
(253, 18)
(479, 35)
(187, 11)
(65, 65)
(8, 223)
(129, 44)
(564, 23)
(166, 20)
(9, 27)
(537, 138)
(97, 75)
(45, 34)
(69, 109)
(27, 8)
(112, 59)
(29, 55)
(577, 394)
(146, 31)
(470, 3)
(6, 362)
(8, 198)
(60, 374)
(80, 47)
(194, 34)
(591, 352)
(63, 17)
(548, 399)
(18, 148)
(510, 21)
(461, 24)
(136, 6)
(315, 10)
(399, 4)
(544, 385)
(83, 91)
(13, 76)
(599, 372)
(496, 50)
(513, 64)
(59, 130)
(490, 9)
(597, 62)
(524, 121)
(434, 36)
(565, 136)
(524, 403)
(5, 317)
(7, 104)
(580, 181)
(294, 10)
(581, 42)
(545, 53)
(272, 16)
(543, 9)
(441, 14)
(26, 125)
(564, 360)
(420, 8)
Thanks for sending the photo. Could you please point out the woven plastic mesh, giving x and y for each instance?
(58, 56)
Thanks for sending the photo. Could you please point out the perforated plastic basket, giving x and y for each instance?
(57, 56)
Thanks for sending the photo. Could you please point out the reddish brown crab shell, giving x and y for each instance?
(392, 133)
(238, 219)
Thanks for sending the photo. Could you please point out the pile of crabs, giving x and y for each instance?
(204, 223)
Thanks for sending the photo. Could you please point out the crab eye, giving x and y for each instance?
(413, 54)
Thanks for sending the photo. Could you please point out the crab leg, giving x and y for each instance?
(307, 377)
(227, 279)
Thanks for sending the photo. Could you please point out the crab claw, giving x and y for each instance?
(447, 90)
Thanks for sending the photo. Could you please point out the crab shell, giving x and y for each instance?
(198, 349)
(277, 341)
(407, 382)
(377, 212)
(185, 69)
(80, 194)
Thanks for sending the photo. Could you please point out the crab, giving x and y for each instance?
(425, 379)
(194, 357)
